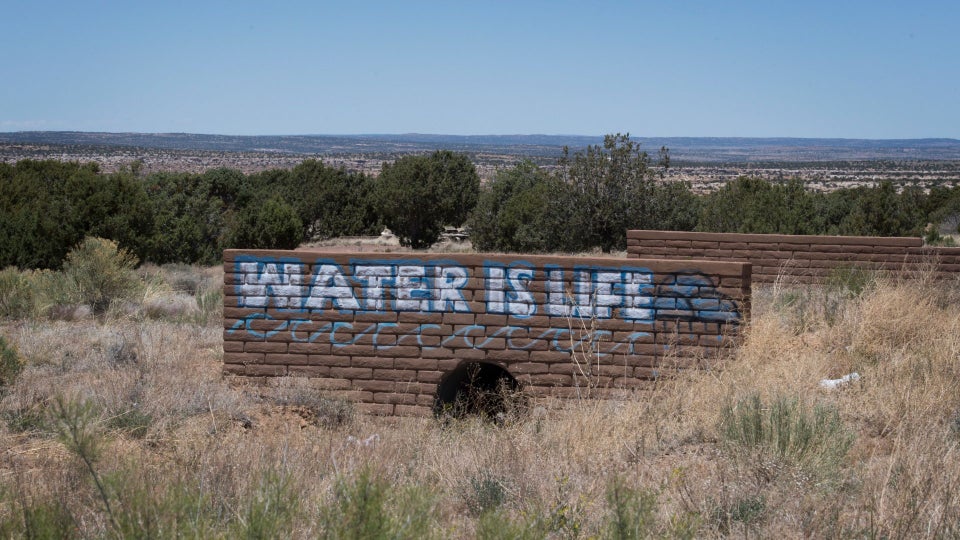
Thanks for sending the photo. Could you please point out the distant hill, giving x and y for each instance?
(689, 149)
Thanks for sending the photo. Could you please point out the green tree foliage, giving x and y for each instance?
(754, 205)
(416, 195)
(329, 201)
(616, 187)
(191, 214)
(943, 206)
(672, 207)
(458, 185)
(524, 209)
(612, 186)
(273, 224)
(881, 211)
(830, 209)
(48, 207)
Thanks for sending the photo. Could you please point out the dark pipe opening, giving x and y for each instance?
(477, 389)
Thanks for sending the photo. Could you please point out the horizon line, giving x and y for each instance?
(419, 134)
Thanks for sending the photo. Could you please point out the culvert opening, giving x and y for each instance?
(478, 389)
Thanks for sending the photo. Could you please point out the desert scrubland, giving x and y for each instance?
(117, 422)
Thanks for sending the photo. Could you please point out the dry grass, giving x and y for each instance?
(181, 453)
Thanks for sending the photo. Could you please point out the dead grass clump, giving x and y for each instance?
(176, 306)
(300, 397)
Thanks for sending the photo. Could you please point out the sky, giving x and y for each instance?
(848, 69)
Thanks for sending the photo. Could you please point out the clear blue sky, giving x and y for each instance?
(858, 69)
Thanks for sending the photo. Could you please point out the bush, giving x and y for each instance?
(330, 202)
(16, 294)
(485, 492)
(133, 422)
(46, 518)
(272, 509)
(524, 209)
(49, 206)
(784, 433)
(633, 512)
(146, 507)
(851, 281)
(54, 294)
(755, 205)
(749, 511)
(417, 195)
(10, 363)
(367, 506)
(190, 214)
(271, 225)
(497, 524)
(99, 273)
(613, 186)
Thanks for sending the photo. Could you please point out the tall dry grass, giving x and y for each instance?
(123, 424)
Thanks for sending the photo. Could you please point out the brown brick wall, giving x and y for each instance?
(384, 329)
(807, 259)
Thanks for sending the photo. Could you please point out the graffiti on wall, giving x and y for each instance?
(307, 302)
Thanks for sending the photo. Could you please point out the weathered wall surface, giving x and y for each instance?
(806, 259)
(385, 329)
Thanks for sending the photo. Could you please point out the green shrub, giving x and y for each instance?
(358, 509)
(484, 492)
(613, 184)
(274, 224)
(190, 214)
(525, 209)
(417, 195)
(367, 506)
(748, 511)
(330, 202)
(49, 206)
(52, 292)
(210, 303)
(785, 433)
(497, 525)
(272, 509)
(10, 363)
(632, 512)
(39, 518)
(25, 419)
(77, 427)
(133, 422)
(173, 510)
(150, 505)
(851, 281)
(16, 294)
(99, 273)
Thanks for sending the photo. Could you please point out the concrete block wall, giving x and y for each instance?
(385, 330)
(805, 259)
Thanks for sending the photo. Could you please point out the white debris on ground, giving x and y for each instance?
(832, 384)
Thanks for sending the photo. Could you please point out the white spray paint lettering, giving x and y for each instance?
(409, 286)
